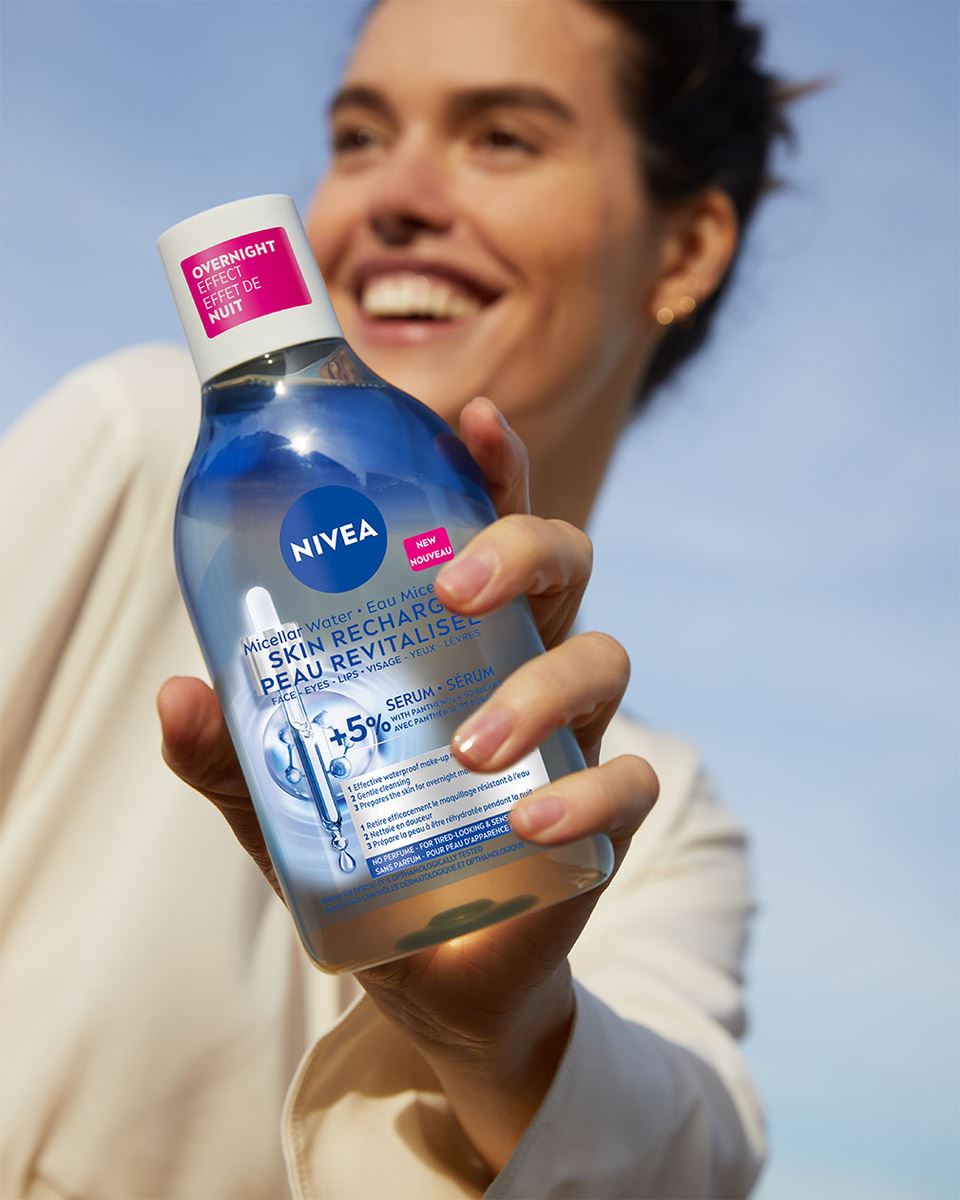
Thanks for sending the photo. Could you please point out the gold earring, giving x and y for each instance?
(687, 304)
(665, 315)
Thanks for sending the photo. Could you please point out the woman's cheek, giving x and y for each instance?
(561, 223)
(331, 218)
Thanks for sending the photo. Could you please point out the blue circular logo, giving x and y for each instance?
(333, 539)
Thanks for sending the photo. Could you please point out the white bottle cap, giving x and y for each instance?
(245, 282)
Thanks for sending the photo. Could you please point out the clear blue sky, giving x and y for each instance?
(777, 544)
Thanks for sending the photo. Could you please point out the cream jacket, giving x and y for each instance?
(164, 1037)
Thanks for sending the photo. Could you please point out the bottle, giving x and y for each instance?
(318, 505)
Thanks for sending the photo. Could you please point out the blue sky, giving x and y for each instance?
(777, 542)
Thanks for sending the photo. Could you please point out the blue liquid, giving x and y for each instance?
(366, 875)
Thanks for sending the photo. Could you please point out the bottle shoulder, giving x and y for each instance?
(333, 433)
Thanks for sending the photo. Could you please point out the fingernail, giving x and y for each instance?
(537, 815)
(496, 411)
(482, 734)
(466, 577)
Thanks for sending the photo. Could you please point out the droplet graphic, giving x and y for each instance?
(340, 768)
(347, 862)
(285, 735)
(338, 839)
(321, 718)
(293, 775)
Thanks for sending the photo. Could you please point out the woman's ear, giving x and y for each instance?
(699, 242)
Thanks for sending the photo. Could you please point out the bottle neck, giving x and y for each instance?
(277, 377)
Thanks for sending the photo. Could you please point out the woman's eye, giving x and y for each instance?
(350, 138)
(505, 141)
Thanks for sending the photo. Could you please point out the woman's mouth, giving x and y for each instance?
(403, 295)
(404, 305)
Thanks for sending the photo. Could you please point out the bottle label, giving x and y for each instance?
(243, 278)
(348, 711)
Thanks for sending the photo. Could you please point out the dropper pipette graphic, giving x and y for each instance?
(265, 619)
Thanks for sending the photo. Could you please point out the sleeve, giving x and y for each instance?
(652, 1097)
(63, 468)
(78, 481)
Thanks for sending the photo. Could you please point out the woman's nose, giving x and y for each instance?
(411, 196)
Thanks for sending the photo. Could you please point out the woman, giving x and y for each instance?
(536, 202)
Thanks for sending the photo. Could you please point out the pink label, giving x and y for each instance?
(244, 278)
(428, 549)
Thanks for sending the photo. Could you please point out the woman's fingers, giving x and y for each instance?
(548, 561)
(197, 747)
(614, 799)
(519, 555)
(579, 683)
(499, 453)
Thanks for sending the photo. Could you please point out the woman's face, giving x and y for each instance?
(482, 228)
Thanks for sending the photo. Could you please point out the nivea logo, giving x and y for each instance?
(333, 539)
(346, 535)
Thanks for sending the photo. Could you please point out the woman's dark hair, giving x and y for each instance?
(706, 115)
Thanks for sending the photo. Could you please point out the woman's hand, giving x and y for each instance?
(490, 1010)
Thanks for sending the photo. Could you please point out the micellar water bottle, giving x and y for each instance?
(318, 505)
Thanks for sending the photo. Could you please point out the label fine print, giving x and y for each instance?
(429, 805)
(243, 278)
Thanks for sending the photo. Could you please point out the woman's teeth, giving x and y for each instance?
(405, 294)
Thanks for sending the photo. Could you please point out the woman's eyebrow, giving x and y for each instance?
(470, 101)
(467, 102)
(358, 96)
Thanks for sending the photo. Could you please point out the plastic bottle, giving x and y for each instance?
(316, 510)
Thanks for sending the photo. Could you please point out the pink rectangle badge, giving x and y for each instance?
(243, 278)
(428, 549)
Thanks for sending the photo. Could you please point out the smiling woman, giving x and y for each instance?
(531, 201)
(573, 170)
